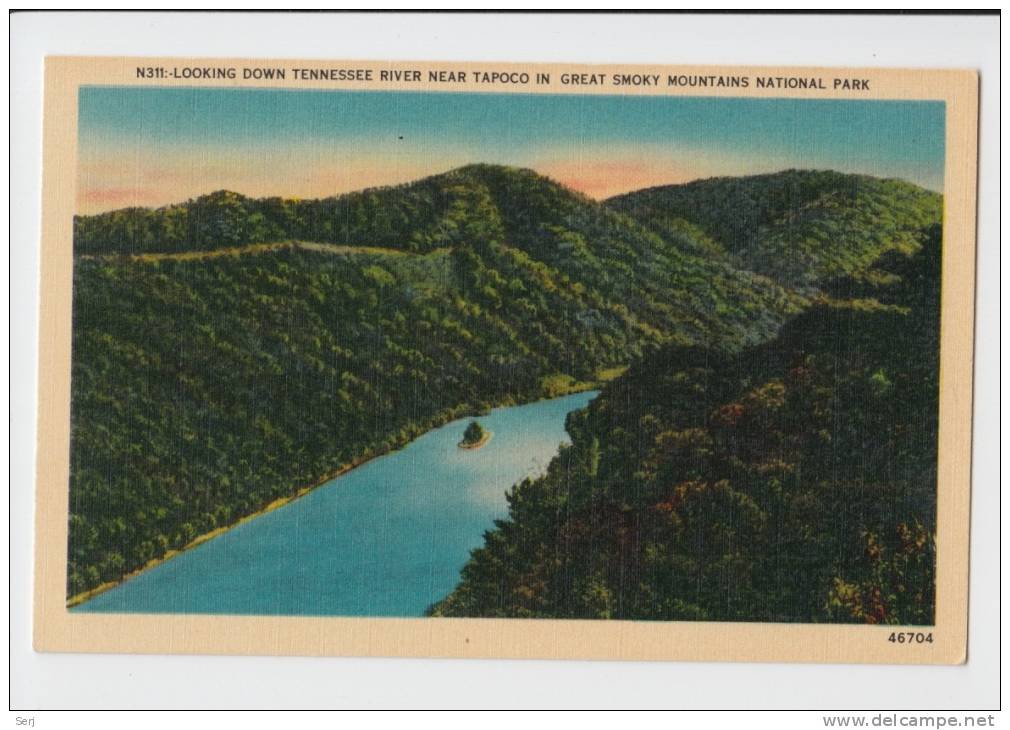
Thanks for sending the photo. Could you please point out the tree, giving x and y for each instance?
(473, 434)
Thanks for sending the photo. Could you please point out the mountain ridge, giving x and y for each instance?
(777, 224)
(207, 386)
(797, 227)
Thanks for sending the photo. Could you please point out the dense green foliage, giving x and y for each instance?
(220, 363)
(473, 434)
(793, 481)
(779, 224)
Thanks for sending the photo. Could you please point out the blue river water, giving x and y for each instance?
(386, 539)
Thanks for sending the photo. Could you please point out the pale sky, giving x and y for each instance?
(142, 146)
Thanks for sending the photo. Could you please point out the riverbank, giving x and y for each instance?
(80, 598)
(350, 548)
(448, 416)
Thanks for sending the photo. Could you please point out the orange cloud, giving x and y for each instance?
(143, 178)
(111, 198)
(604, 178)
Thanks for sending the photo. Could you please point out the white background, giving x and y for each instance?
(50, 681)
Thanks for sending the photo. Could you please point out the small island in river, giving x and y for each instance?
(475, 436)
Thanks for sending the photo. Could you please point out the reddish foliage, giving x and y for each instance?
(729, 415)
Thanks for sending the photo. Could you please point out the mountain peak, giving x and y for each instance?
(486, 172)
(221, 196)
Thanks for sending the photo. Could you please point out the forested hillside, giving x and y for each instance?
(229, 352)
(799, 227)
(793, 481)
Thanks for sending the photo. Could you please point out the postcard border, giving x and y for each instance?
(56, 629)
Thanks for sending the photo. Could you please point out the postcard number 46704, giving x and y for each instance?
(910, 637)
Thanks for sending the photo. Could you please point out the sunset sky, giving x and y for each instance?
(151, 147)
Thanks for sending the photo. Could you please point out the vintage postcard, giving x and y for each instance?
(496, 360)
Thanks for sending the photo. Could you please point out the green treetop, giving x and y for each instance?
(473, 434)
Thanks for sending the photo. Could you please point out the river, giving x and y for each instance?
(386, 539)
